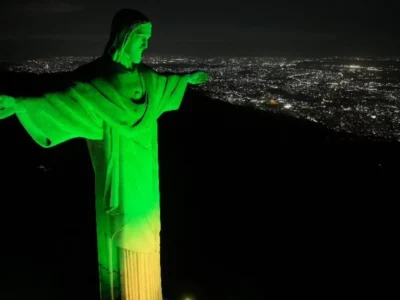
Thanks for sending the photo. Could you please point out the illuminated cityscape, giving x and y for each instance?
(351, 94)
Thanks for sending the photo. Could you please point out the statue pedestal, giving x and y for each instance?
(138, 277)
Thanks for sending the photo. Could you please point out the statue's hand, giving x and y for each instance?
(198, 77)
(7, 106)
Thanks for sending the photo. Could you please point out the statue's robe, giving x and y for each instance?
(122, 139)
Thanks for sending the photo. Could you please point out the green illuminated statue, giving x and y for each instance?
(113, 103)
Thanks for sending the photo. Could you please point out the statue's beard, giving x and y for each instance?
(137, 57)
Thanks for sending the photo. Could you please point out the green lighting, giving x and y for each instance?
(116, 111)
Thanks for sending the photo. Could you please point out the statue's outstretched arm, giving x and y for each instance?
(49, 107)
(195, 77)
(76, 108)
(171, 87)
(7, 106)
(25, 85)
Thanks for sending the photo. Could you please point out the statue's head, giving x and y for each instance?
(137, 42)
(130, 33)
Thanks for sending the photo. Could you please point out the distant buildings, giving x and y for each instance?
(358, 95)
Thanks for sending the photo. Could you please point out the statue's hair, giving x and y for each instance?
(124, 22)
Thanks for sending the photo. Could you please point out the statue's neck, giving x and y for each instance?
(130, 67)
(126, 63)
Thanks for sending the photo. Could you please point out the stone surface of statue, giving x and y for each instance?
(114, 103)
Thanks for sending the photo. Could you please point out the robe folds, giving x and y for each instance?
(122, 140)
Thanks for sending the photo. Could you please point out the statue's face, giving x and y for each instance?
(138, 42)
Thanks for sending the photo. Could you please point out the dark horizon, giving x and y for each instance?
(15, 57)
(73, 28)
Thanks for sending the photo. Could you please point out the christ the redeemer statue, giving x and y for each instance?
(113, 103)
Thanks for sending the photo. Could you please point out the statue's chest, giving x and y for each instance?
(129, 86)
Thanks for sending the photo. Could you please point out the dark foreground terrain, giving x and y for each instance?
(254, 206)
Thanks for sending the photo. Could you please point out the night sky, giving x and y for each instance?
(43, 28)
